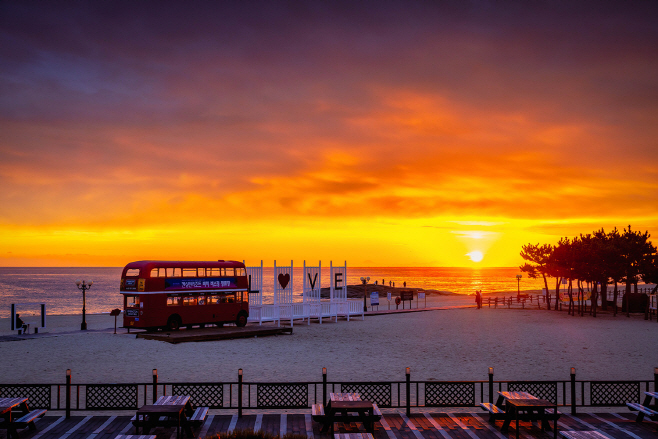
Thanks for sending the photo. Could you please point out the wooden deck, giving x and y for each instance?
(392, 426)
(211, 334)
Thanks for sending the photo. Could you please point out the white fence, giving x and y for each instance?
(312, 306)
(303, 312)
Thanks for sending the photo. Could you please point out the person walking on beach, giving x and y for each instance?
(478, 299)
(405, 284)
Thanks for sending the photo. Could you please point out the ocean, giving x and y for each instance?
(56, 287)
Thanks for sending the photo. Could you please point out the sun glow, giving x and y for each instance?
(475, 255)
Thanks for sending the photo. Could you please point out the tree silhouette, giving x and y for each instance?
(598, 259)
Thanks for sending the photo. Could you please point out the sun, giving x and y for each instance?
(475, 255)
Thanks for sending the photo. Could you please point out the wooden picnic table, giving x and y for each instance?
(522, 405)
(504, 396)
(342, 407)
(344, 397)
(12, 407)
(339, 411)
(183, 400)
(646, 408)
(530, 408)
(166, 412)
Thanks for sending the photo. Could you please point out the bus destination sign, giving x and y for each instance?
(200, 284)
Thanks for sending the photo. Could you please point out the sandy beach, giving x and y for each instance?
(449, 344)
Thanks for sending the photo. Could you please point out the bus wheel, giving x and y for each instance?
(174, 323)
(241, 320)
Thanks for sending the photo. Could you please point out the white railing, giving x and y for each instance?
(306, 311)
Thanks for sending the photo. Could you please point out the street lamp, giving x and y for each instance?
(518, 286)
(365, 280)
(84, 287)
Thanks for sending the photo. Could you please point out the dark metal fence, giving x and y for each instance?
(301, 395)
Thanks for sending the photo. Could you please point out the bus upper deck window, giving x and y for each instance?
(212, 272)
(158, 272)
(229, 272)
(173, 272)
(189, 272)
(240, 272)
(132, 272)
(201, 272)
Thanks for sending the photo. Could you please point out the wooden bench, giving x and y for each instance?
(495, 412)
(318, 415)
(199, 416)
(584, 434)
(28, 419)
(317, 412)
(644, 410)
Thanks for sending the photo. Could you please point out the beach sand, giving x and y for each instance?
(450, 344)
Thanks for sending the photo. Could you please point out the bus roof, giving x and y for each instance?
(148, 265)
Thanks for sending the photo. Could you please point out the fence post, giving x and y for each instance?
(491, 370)
(324, 385)
(155, 385)
(239, 393)
(408, 372)
(68, 393)
(573, 390)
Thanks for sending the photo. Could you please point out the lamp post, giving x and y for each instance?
(84, 287)
(365, 280)
(518, 286)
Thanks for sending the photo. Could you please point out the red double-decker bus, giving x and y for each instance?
(171, 294)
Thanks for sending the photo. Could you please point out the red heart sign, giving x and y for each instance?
(284, 279)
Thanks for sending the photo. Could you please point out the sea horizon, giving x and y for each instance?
(56, 287)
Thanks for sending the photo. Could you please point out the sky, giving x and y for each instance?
(381, 133)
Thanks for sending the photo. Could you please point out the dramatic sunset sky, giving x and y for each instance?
(383, 133)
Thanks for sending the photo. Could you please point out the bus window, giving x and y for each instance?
(173, 272)
(229, 272)
(201, 272)
(189, 272)
(173, 301)
(201, 301)
(213, 272)
(240, 272)
(213, 299)
(132, 272)
(189, 300)
(158, 272)
(228, 298)
(132, 301)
